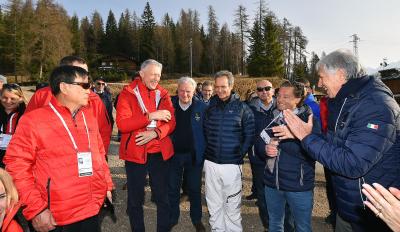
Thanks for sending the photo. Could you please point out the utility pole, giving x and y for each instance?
(355, 41)
(191, 57)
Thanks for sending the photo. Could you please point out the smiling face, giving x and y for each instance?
(207, 91)
(286, 99)
(265, 91)
(222, 88)
(10, 100)
(331, 82)
(185, 92)
(151, 75)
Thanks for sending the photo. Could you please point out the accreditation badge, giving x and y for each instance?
(85, 167)
(4, 141)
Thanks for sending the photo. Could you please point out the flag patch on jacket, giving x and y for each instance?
(372, 126)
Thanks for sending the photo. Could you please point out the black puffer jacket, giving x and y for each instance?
(229, 130)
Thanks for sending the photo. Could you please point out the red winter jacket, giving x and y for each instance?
(131, 120)
(44, 165)
(9, 223)
(42, 97)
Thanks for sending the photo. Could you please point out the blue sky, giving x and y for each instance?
(328, 25)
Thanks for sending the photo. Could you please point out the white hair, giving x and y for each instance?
(150, 62)
(187, 80)
(341, 59)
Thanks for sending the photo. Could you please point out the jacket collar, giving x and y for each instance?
(351, 88)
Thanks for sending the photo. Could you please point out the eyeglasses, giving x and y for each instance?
(266, 88)
(84, 85)
(100, 83)
(11, 86)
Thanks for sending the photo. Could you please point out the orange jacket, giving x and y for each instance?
(9, 223)
(42, 97)
(131, 120)
(44, 164)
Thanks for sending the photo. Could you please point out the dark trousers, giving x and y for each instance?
(88, 224)
(330, 191)
(183, 165)
(158, 170)
(258, 182)
(368, 223)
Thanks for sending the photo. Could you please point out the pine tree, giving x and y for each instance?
(147, 34)
(273, 49)
(52, 38)
(213, 37)
(242, 26)
(110, 42)
(256, 59)
(76, 35)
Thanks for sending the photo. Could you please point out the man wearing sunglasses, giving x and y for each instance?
(42, 98)
(101, 89)
(261, 105)
(57, 158)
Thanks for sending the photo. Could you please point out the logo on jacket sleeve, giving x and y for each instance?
(197, 116)
(372, 126)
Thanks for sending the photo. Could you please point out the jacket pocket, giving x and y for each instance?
(127, 141)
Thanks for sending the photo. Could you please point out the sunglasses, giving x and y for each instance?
(100, 83)
(266, 88)
(11, 86)
(84, 85)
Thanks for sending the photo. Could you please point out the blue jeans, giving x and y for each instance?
(300, 204)
(182, 165)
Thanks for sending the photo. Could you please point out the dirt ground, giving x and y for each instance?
(250, 221)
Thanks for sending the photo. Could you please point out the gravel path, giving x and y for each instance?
(250, 221)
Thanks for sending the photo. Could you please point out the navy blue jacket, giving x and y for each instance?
(363, 146)
(197, 119)
(229, 130)
(294, 170)
(260, 117)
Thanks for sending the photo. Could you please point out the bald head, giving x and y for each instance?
(265, 91)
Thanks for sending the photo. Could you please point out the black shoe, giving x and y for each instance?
(331, 219)
(250, 197)
(199, 227)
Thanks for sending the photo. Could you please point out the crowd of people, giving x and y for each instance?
(54, 149)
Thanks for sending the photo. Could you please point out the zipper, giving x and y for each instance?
(301, 175)
(277, 170)
(340, 112)
(48, 192)
(127, 141)
(360, 187)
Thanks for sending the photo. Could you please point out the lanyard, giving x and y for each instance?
(66, 128)
(9, 122)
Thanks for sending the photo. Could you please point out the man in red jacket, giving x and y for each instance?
(145, 117)
(42, 97)
(57, 161)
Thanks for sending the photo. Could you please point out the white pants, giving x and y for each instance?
(224, 196)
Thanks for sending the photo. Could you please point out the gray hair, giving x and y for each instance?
(187, 80)
(341, 59)
(150, 62)
(225, 73)
(3, 79)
